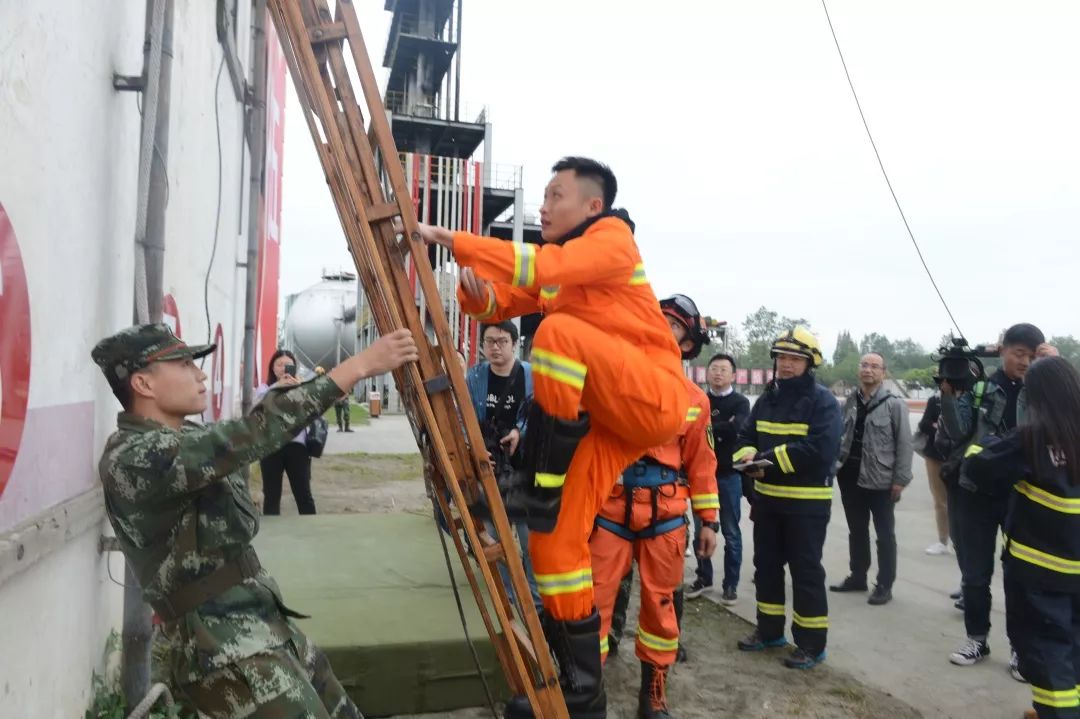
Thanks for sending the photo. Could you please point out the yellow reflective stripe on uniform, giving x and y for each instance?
(692, 414)
(549, 292)
(603, 645)
(658, 643)
(705, 501)
(524, 264)
(793, 428)
(489, 310)
(786, 491)
(565, 583)
(1039, 558)
(810, 622)
(1059, 699)
(972, 451)
(783, 459)
(550, 481)
(638, 278)
(744, 452)
(1046, 499)
(773, 610)
(559, 368)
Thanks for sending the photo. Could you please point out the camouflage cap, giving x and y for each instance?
(134, 348)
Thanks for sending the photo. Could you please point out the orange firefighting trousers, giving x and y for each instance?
(660, 566)
(633, 404)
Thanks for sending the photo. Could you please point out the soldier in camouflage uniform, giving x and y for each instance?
(185, 520)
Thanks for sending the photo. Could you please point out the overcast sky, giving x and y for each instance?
(741, 156)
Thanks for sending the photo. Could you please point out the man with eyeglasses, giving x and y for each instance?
(873, 469)
(499, 387)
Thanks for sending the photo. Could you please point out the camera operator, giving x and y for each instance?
(969, 413)
(499, 387)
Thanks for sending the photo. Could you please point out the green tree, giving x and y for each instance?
(919, 377)
(760, 330)
(1069, 347)
(878, 343)
(845, 346)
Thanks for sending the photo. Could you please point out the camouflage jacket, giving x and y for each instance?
(180, 508)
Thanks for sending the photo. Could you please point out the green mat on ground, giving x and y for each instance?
(382, 608)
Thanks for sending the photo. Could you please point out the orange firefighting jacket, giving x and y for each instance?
(598, 277)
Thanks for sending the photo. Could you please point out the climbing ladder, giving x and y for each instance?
(325, 51)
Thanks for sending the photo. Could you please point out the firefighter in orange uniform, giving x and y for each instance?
(608, 385)
(645, 519)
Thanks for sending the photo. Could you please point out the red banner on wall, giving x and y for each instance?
(266, 319)
(757, 376)
(742, 376)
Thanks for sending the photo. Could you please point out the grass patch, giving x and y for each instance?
(364, 468)
(358, 415)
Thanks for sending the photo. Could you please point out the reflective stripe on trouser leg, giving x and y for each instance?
(804, 537)
(640, 396)
(611, 559)
(597, 463)
(660, 565)
(1041, 626)
(769, 574)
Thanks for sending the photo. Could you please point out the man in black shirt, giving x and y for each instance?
(729, 411)
(498, 387)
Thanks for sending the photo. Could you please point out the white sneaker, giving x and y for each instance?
(970, 652)
(1014, 667)
(937, 549)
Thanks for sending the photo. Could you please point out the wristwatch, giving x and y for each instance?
(714, 526)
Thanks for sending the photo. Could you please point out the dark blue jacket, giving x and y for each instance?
(476, 379)
(796, 425)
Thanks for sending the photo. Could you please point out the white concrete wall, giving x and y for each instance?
(68, 170)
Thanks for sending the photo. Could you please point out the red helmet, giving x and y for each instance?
(683, 309)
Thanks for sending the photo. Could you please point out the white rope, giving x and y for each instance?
(142, 710)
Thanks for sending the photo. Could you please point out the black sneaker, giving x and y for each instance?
(729, 597)
(880, 595)
(850, 584)
(680, 655)
(956, 595)
(696, 589)
(959, 604)
(754, 643)
(972, 651)
(800, 659)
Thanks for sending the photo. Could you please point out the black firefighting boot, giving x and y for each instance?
(652, 697)
(618, 615)
(576, 646)
(535, 491)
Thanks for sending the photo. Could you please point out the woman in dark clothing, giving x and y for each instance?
(1038, 466)
(292, 459)
(933, 459)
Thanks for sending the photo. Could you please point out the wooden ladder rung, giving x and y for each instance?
(382, 211)
(328, 33)
(523, 640)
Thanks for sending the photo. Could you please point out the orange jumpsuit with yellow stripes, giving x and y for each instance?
(633, 527)
(603, 347)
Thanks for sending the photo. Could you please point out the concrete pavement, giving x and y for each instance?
(388, 434)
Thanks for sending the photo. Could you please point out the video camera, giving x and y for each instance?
(960, 365)
(492, 435)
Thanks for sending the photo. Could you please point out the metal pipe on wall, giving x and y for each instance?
(257, 142)
(149, 276)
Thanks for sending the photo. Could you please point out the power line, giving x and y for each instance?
(885, 174)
